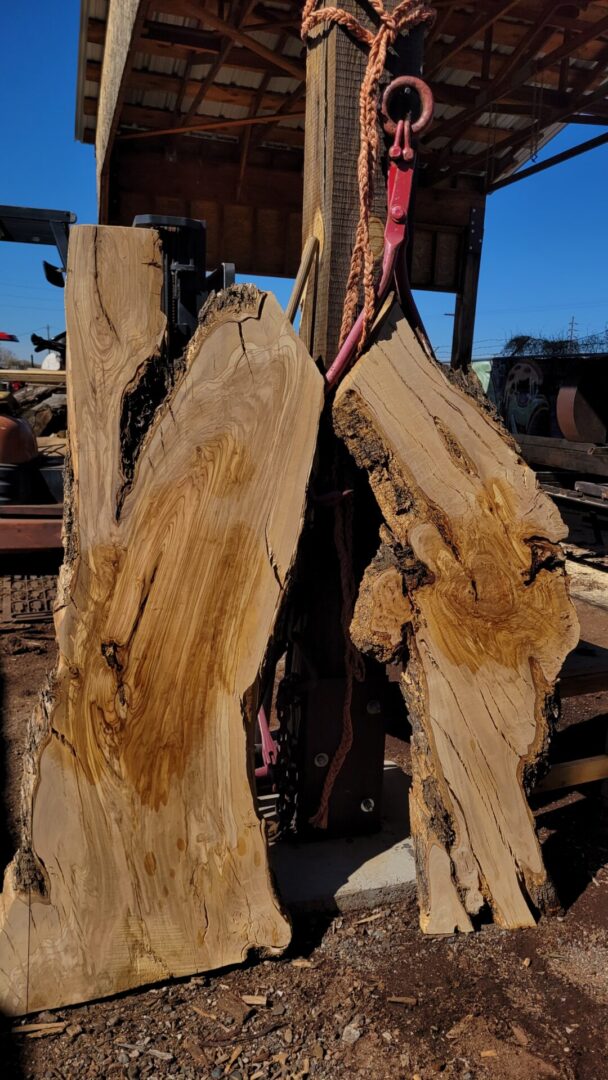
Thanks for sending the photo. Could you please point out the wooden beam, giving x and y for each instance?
(476, 30)
(509, 159)
(582, 458)
(284, 63)
(335, 68)
(212, 125)
(170, 84)
(486, 66)
(191, 60)
(589, 119)
(205, 85)
(472, 163)
(215, 69)
(157, 121)
(154, 121)
(549, 163)
(487, 134)
(504, 85)
(296, 98)
(309, 254)
(31, 375)
(261, 14)
(124, 22)
(466, 298)
(486, 62)
(509, 33)
(572, 773)
(439, 26)
(165, 39)
(245, 141)
(178, 42)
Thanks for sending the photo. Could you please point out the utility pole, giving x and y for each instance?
(571, 335)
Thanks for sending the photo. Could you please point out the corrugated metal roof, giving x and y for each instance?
(176, 100)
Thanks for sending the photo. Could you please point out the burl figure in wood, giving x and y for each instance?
(468, 589)
(142, 853)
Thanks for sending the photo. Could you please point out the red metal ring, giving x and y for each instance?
(426, 102)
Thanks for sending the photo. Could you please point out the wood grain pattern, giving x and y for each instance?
(142, 854)
(469, 585)
(335, 67)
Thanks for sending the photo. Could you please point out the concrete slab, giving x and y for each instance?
(352, 875)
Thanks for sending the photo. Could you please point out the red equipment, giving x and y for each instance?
(398, 194)
(17, 441)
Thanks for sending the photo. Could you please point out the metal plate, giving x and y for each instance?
(27, 599)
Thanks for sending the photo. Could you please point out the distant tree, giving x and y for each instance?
(529, 345)
(9, 359)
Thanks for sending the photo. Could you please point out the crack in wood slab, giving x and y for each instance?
(142, 853)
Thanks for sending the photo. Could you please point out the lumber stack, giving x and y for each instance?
(142, 854)
(468, 590)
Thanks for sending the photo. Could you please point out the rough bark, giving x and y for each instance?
(468, 589)
(142, 854)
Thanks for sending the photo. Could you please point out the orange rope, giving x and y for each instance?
(407, 13)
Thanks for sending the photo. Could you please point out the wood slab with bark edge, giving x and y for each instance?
(469, 584)
(142, 854)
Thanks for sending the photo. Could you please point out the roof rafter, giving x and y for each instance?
(214, 70)
(477, 29)
(503, 86)
(284, 63)
(469, 163)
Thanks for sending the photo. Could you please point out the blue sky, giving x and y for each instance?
(544, 258)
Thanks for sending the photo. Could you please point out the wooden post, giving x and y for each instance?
(466, 300)
(335, 69)
(124, 24)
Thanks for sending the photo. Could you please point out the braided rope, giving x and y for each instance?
(407, 14)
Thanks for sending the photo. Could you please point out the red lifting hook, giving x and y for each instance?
(398, 190)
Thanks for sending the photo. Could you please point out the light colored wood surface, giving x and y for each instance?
(571, 773)
(309, 256)
(469, 585)
(124, 20)
(142, 854)
(32, 375)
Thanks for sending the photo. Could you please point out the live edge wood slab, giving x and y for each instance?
(468, 590)
(142, 855)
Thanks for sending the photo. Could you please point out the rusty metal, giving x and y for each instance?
(25, 599)
(356, 801)
(19, 535)
(578, 421)
(408, 82)
(17, 441)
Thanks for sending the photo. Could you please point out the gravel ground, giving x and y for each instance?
(492, 1005)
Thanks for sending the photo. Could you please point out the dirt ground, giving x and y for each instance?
(363, 995)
